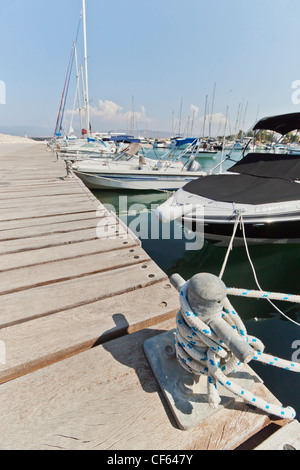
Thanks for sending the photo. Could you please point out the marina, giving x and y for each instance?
(87, 305)
(149, 281)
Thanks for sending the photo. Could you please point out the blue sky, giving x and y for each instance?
(150, 55)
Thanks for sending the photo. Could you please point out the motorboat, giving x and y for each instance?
(261, 190)
(137, 172)
(293, 150)
(203, 149)
(89, 148)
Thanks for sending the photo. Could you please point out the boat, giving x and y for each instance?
(203, 149)
(293, 150)
(181, 142)
(161, 143)
(260, 190)
(89, 148)
(132, 170)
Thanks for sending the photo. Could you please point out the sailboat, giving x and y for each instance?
(85, 128)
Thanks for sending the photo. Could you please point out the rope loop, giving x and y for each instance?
(201, 352)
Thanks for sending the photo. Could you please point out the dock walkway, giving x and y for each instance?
(76, 306)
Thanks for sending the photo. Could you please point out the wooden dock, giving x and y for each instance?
(76, 307)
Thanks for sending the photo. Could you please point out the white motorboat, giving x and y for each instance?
(293, 150)
(261, 190)
(89, 148)
(137, 172)
(203, 149)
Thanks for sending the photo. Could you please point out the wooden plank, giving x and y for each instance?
(83, 327)
(286, 438)
(56, 239)
(50, 191)
(52, 219)
(6, 187)
(38, 201)
(38, 230)
(37, 178)
(12, 185)
(56, 209)
(62, 252)
(47, 273)
(107, 398)
(45, 300)
(16, 183)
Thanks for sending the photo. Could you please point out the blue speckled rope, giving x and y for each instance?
(263, 295)
(201, 352)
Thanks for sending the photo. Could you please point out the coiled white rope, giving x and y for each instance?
(201, 352)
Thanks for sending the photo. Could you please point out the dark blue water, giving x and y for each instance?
(277, 268)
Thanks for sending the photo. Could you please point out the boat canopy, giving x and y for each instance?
(261, 178)
(126, 139)
(244, 189)
(188, 140)
(269, 165)
(282, 124)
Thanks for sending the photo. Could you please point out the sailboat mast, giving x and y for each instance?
(180, 113)
(212, 110)
(78, 88)
(204, 120)
(86, 70)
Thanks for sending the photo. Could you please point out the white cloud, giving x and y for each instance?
(109, 111)
(110, 114)
(194, 110)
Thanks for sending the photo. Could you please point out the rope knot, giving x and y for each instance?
(211, 340)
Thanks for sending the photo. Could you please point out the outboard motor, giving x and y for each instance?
(193, 166)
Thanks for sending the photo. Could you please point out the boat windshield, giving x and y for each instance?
(123, 157)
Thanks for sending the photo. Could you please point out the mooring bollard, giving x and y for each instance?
(206, 295)
(69, 165)
(212, 340)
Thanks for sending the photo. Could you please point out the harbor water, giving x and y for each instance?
(277, 267)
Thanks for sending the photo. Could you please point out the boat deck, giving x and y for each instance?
(76, 308)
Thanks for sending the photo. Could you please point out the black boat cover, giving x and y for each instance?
(269, 165)
(282, 124)
(244, 189)
(262, 178)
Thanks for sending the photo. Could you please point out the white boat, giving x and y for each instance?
(161, 144)
(136, 172)
(83, 147)
(203, 149)
(262, 190)
(293, 150)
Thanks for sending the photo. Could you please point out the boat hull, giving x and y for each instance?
(275, 232)
(143, 182)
